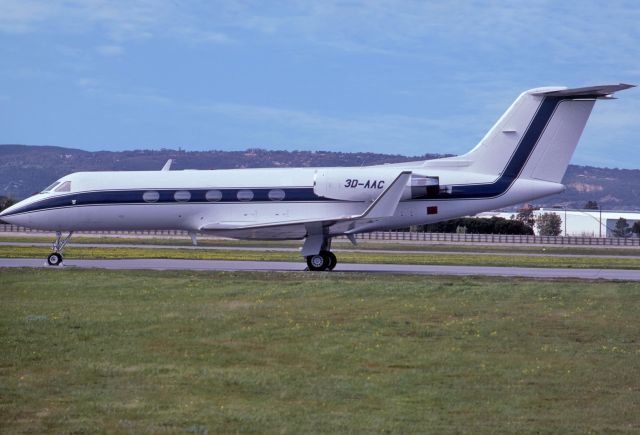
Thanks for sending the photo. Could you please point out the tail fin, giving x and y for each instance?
(537, 135)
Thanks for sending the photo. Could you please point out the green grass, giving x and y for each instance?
(345, 244)
(175, 352)
(486, 259)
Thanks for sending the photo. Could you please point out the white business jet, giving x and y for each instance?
(523, 157)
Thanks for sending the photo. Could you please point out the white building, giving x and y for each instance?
(583, 223)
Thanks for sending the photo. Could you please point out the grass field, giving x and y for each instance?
(196, 352)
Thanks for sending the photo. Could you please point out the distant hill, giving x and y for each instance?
(25, 169)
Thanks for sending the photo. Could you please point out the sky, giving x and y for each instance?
(385, 76)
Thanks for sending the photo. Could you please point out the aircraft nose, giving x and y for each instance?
(7, 211)
(8, 214)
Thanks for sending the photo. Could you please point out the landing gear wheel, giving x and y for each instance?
(332, 260)
(325, 260)
(54, 259)
(318, 262)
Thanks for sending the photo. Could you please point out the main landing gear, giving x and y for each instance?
(55, 258)
(317, 251)
(324, 260)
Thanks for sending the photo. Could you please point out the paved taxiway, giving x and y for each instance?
(166, 264)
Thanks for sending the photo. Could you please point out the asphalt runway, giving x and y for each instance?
(273, 266)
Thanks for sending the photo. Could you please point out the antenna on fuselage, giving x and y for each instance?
(167, 165)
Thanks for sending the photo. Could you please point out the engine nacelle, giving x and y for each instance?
(366, 184)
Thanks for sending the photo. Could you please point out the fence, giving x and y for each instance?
(407, 236)
(498, 238)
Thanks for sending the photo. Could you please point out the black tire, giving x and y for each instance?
(332, 260)
(318, 262)
(55, 259)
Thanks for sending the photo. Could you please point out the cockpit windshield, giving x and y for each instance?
(64, 187)
(50, 188)
(58, 186)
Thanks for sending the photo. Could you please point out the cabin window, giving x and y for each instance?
(151, 196)
(64, 187)
(182, 196)
(276, 195)
(245, 195)
(50, 188)
(213, 195)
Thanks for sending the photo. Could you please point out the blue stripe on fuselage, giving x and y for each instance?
(166, 196)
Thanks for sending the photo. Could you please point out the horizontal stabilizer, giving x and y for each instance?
(587, 92)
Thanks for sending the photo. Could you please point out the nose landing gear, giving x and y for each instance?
(55, 258)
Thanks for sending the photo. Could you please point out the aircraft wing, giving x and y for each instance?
(383, 206)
